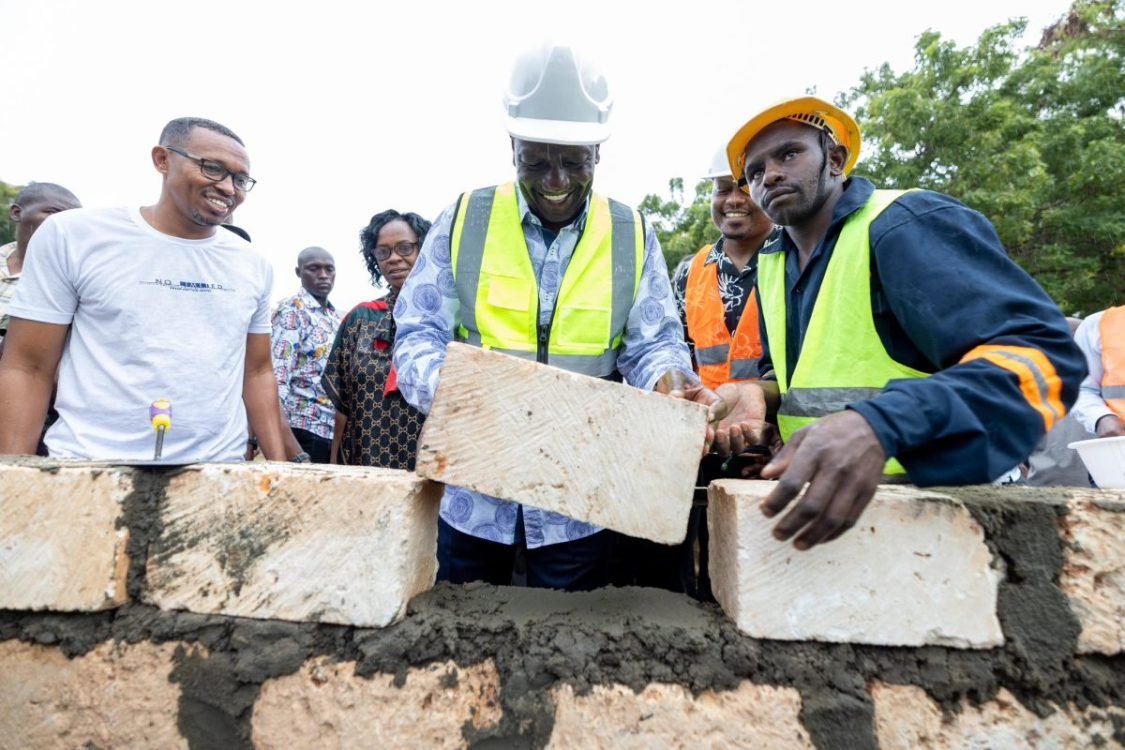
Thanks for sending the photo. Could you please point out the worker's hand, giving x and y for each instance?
(841, 460)
(678, 384)
(1110, 426)
(745, 424)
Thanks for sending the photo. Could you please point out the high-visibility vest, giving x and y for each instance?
(720, 357)
(499, 293)
(1112, 329)
(842, 359)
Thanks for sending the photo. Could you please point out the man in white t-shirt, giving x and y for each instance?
(159, 303)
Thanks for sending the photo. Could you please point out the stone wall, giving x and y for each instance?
(269, 606)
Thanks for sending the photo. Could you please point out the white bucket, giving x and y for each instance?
(1104, 459)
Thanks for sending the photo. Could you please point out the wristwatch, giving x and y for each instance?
(301, 458)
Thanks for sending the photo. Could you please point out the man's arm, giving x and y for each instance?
(427, 314)
(1090, 409)
(259, 394)
(286, 341)
(27, 374)
(1006, 371)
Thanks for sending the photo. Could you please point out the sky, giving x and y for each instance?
(350, 108)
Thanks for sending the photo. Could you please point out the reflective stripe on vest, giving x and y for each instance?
(499, 292)
(1112, 330)
(842, 359)
(719, 356)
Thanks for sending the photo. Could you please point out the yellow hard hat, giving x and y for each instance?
(810, 110)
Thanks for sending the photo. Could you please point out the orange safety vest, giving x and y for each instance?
(1112, 331)
(719, 359)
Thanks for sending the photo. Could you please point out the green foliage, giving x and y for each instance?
(8, 194)
(682, 229)
(1034, 139)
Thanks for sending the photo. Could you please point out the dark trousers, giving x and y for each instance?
(318, 448)
(580, 565)
(682, 567)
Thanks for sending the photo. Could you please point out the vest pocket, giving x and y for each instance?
(507, 312)
(582, 330)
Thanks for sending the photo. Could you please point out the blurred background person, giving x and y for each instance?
(375, 426)
(34, 203)
(304, 327)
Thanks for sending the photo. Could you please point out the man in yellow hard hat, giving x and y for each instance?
(491, 272)
(900, 337)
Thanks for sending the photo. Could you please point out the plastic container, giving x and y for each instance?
(1104, 459)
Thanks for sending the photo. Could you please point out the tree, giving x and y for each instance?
(1034, 139)
(682, 229)
(8, 194)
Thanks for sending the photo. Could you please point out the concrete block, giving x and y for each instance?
(325, 704)
(116, 696)
(595, 451)
(60, 545)
(915, 570)
(907, 719)
(752, 717)
(1093, 572)
(345, 545)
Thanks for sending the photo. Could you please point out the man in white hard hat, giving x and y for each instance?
(902, 339)
(521, 241)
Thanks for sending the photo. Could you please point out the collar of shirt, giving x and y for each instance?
(528, 216)
(726, 265)
(313, 303)
(856, 192)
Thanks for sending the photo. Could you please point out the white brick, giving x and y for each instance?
(907, 719)
(915, 570)
(595, 451)
(344, 545)
(1093, 572)
(60, 548)
(116, 696)
(326, 705)
(750, 717)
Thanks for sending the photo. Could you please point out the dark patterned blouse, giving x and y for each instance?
(382, 429)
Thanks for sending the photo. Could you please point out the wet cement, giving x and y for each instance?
(541, 639)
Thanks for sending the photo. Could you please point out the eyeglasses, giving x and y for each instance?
(216, 172)
(405, 249)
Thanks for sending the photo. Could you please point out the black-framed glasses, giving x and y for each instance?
(216, 172)
(404, 249)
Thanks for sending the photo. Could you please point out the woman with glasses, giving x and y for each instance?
(374, 424)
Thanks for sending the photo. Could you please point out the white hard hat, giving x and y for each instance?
(556, 97)
(720, 166)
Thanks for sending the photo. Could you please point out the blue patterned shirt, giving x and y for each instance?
(428, 312)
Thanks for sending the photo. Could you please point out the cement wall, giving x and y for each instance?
(487, 667)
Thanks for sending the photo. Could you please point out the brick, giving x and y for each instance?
(60, 545)
(326, 705)
(116, 696)
(907, 719)
(344, 545)
(915, 570)
(753, 717)
(1093, 572)
(599, 452)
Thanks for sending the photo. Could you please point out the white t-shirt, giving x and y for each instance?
(151, 317)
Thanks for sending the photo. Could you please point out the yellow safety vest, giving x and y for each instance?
(499, 292)
(842, 359)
